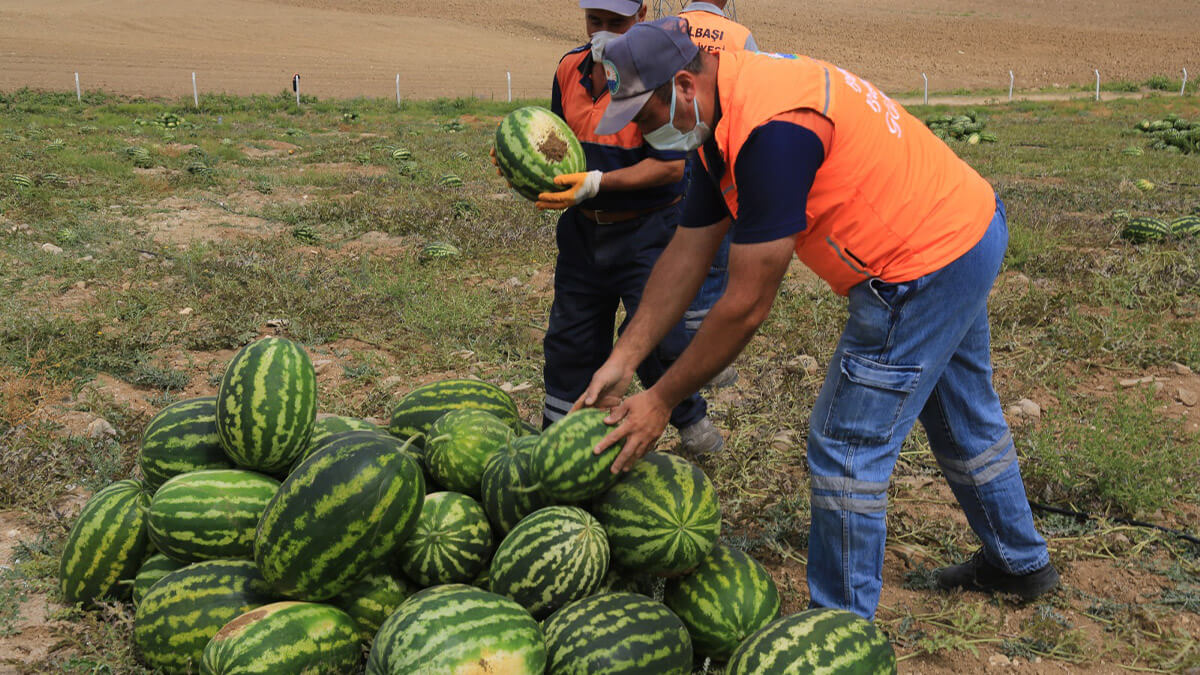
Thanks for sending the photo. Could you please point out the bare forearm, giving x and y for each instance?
(645, 174)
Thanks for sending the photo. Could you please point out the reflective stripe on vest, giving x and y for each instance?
(890, 200)
(715, 33)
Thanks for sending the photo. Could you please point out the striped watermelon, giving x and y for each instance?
(328, 426)
(458, 630)
(563, 466)
(184, 609)
(338, 515)
(831, 641)
(107, 544)
(507, 486)
(421, 407)
(533, 145)
(156, 567)
(436, 250)
(617, 633)
(484, 580)
(451, 544)
(209, 515)
(1185, 226)
(459, 445)
(1141, 230)
(266, 405)
(726, 598)
(662, 517)
(285, 637)
(182, 437)
(372, 599)
(554, 556)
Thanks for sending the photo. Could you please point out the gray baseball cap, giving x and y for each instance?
(638, 62)
(622, 7)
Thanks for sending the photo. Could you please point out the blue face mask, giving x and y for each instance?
(667, 137)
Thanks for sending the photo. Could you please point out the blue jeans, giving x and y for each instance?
(913, 350)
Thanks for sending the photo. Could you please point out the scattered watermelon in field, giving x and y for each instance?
(662, 517)
(1145, 229)
(458, 629)
(725, 599)
(562, 464)
(438, 250)
(1185, 226)
(617, 633)
(285, 637)
(266, 405)
(533, 145)
(106, 545)
(831, 641)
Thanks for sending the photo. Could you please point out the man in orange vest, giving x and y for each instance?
(713, 31)
(800, 156)
(617, 218)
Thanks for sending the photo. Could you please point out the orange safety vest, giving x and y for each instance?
(715, 33)
(582, 113)
(890, 200)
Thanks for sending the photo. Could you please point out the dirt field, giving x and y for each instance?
(455, 48)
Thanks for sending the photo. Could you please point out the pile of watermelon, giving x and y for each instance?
(1172, 134)
(967, 127)
(260, 539)
(1143, 229)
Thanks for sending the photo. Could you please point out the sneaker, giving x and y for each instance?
(725, 378)
(977, 574)
(701, 438)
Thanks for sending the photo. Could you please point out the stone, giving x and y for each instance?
(186, 311)
(999, 661)
(1136, 381)
(1181, 369)
(391, 382)
(322, 365)
(100, 428)
(804, 364)
(51, 249)
(1029, 408)
(1188, 397)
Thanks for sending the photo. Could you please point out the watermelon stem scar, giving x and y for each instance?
(553, 147)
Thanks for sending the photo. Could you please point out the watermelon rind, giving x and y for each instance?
(458, 629)
(183, 610)
(267, 404)
(1185, 226)
(106, 544)
(182, 437)
(451, 543)
(617, 634)
(417, 410)
(340, 514)
(507, 487)
(552, 557)
(728, 597)
(662, 517)
(1144, 229)
(285, 637)
(563, 465)
(372, 599)
(832, 641)
(459, 446)
(533, 145)
(209, 515)
(156, 567)
(329, 425)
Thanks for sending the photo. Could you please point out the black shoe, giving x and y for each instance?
(977, 574)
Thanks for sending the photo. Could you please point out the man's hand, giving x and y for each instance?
(579, 187)
(642, 419)
(608, 385)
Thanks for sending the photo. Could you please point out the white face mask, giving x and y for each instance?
(599, 39)
(667, 137)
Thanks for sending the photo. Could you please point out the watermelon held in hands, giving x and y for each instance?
(728, 597)
(563, 466)
(662, 517)
(267, 404)
(617, 633)
(831, 641)
(284, 637)
(533, 145)
(458, 629)
(107, 544)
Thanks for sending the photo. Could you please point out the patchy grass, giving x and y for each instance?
(307, 223)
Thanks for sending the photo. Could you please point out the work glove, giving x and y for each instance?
(580, 187)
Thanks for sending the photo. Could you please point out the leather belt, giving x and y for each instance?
(601, 217)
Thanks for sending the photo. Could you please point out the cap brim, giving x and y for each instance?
(621, 112)
(615, 6)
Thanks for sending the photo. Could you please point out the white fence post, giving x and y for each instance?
(397, 90)
(1183, 87)
(1097, 85)
(78, 93)
(195, 92)
(509, 73)
(1011, 80)
(296, 87)
(923, 76)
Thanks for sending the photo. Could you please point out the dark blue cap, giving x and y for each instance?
(640, 61)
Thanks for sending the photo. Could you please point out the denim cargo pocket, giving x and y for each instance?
(868, 399)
